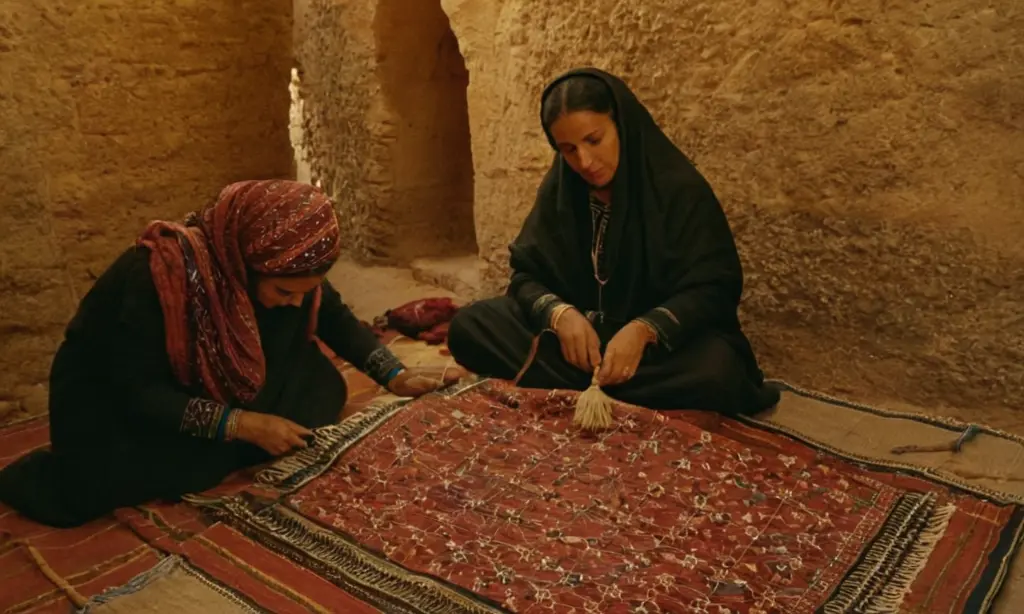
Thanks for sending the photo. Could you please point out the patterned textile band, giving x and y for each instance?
(382, 366)
(202, 271)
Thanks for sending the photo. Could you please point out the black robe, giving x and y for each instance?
(124, 431)
(669, 258)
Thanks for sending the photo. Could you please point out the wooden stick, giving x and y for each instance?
(953, 446)
(73, 595)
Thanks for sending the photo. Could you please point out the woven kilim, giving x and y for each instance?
(486, 499)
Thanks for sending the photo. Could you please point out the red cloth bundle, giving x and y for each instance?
(436, 335)
(426, 319)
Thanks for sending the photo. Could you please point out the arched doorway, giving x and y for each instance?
(423, 81)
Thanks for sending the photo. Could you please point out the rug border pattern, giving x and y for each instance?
(890, 563)
(330, 442)
(284, 530)
(1008, 548)
(342, 561)
(995, 583)
(292, 473)
(345, 562)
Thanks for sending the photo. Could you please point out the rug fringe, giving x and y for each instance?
(890, 599)
(333, 440)
(164, 567)
(335, 558)
(882, 579)
(328, 443)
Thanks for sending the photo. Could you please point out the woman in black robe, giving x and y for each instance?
(194, 356)
(628, 258)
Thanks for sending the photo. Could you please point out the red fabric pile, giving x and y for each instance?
(425, 319)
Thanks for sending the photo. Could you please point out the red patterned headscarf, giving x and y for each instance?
(201, 270)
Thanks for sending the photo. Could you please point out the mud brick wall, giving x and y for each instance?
(112, 114)
(869, 155)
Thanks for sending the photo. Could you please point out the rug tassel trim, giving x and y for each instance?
(371, 578)
(329, 442)
(333, 440)
(162, 569)
(890, 599)
(880, 581)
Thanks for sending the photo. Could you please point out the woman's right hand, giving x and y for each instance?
(580, 344)
(274, 434)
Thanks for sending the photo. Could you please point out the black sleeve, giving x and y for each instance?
(536, 255)
(536, 301)
(708, 294)
(339, 328)
(142, 369)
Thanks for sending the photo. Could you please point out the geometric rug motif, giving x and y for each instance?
(485, 498)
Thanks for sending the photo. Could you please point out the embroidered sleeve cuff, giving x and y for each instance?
(543, 308)
(664, 323)
(380, 364)
(203, 418)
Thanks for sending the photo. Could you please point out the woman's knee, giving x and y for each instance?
(37, 487)
(462, 331)
(476, 321)
(721, 377)
(723, 362)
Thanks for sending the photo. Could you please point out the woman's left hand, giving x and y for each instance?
(623, 354)
(417, 381)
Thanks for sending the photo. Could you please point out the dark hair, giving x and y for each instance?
(576, 93)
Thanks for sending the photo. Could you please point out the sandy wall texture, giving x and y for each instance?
(112, 114)
(870, 156)
(387, 126)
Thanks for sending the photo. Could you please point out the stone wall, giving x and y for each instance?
(343, 122)
(870, 156)
(871, 159)
(386, 125)
(113, 114)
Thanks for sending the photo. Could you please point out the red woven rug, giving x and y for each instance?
(488, 500)
(109, 552)
(91, 558)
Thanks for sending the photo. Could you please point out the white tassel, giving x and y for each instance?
(594, 408)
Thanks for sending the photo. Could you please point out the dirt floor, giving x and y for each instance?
(370, 291)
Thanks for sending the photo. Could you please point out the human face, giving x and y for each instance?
(285, 291)
(589, 142)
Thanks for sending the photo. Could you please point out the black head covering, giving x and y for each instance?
(667, 233)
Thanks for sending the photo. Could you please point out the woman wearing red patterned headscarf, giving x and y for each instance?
(194, 355)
